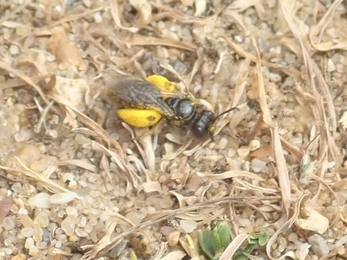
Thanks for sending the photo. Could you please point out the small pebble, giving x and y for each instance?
(29, 242)
(38, 233)
(46, 235)
(41, 245)
(71, 211)
(254, 145)
(26, 221)
(88, 228)
(62, 198)
(243, 151)
(8, 223)
(166, 230)
(173, 238)
(16, 187)
(68, 225)
(188, 225)
(40, 200)
(331, 66)
(34, 251)
(39, 14)
(24, 134)
(42, 219)
(258, 165)
(80, 232)
(27, 232)
(274, 77)
(22, 211)
(19, 257)
(82, 222)
(134, 217)
(118, 249)
(319, 245)
(97, 17)
(14, 50)
(73, 238)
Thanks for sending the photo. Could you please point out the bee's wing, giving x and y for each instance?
(140, 94)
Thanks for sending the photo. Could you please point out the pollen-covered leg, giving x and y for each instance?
(161, 82)
(138, 117)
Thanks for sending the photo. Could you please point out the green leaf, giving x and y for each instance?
(240, 257)
(243, 254)
(263, 240)
(224, 233)
(215, 241)
(207, 234)
(205, 245)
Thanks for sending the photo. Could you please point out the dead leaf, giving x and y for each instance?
(64, 50)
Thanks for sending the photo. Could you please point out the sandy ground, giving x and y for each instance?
(78, 183)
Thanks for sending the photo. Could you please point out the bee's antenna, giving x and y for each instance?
(249, 104)
(225, 112)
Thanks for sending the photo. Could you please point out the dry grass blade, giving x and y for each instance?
(144, 9)
(237, 17)
(50, 185)
(105, 166)
(44, 113)
(314, 72)
(231, 174)
(239, 92)
(161, 251)
(283, 228)
(292, 149)
(329, 46)
(79, 163)
(182, 149)
(90, 123)
(240, 5)
(116, 18)
(337, 212)
(70, 18)
(161, 216)
(152, 186)
(261, 88)
(120, 163)
(25, 78)
(13, 83)
(323, 23)
(17, 9)
(146, 150)
(175, 14)
(139, 40)
(254, 187)
(282, 170)
(103, 242)
(233, 246)
(174, 255)
(196, 67)
(149, 158)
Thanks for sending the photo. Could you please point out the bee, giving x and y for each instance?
(143, 103)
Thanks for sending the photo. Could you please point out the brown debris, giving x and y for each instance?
(63, 49)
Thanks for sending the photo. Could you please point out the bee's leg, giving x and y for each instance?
(161, 82)
(139, 117)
